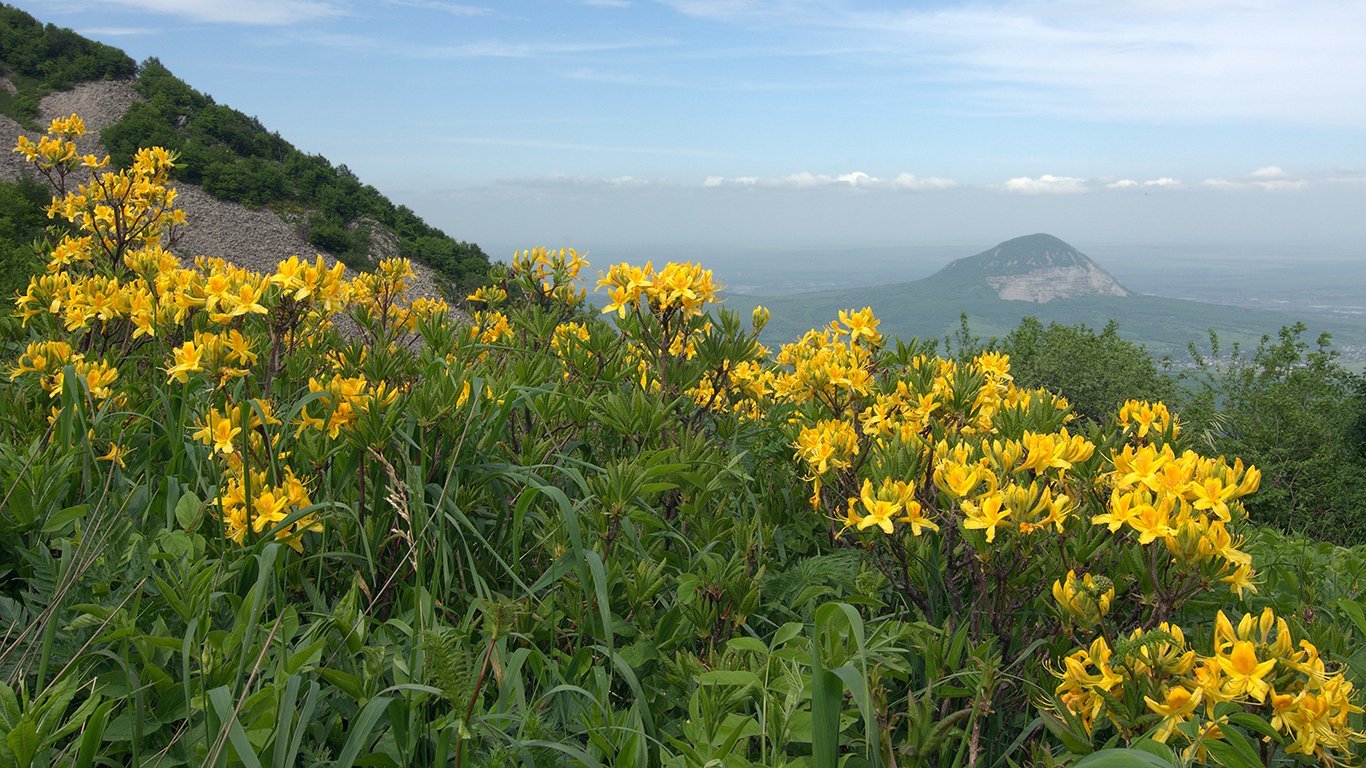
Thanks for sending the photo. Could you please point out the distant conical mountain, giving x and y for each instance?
(1038, 268)
(1035, 275)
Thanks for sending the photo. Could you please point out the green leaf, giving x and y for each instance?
(1354, 612)
(60, 520)
(92, 735)
(189, 511)
(750, 644)
(1254, 723)
(23, 742)
(728, 677)
(360, 731)
(221, 700)
(347, 682)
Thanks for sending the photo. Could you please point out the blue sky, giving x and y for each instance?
(747, 122)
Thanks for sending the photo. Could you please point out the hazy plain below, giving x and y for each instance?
(1292, 278)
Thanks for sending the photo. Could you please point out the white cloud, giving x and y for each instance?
(249, 12)
(1269, 172)
(1295, 61)
(572, 181)
(1122, 184)
(911, 181)
(856, 179)
(1264, 185)
(1046, 184)
(455, 9)
(1165, 181)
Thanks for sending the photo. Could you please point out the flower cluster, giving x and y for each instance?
(258, 507)
(550, 275)
(1084, 601)
(110, 284)
(55, 152)
(1154, 680)
(343, 401)
(1140, 418)
(832, 366)
(680, 287)
(1188, 503)
(48, 361)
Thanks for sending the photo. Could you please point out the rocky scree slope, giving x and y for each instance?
(256, 239)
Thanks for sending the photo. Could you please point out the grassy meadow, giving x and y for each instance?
(298, 519)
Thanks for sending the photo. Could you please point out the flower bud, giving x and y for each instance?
(759, 318)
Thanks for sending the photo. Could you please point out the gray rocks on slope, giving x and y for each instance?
(1048, 283)
(253, 238)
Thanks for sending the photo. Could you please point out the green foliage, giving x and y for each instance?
(235, 158)
(1096, 372)
(39, 59)
(1293, 410)
(22, 225)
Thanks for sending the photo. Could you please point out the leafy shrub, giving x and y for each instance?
(1096, 372)
(1299, 414)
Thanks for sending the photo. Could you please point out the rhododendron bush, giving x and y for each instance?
(307, 517)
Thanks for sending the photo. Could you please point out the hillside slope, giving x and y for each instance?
(253, 238)
(249, 195)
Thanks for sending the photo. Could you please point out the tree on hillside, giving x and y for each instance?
(1295, 412)
(22, 222)
(1096, 372)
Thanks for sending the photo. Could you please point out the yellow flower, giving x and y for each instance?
(219, 432)
(988, 513)
(1244, 673)
(1240, 580)
(860, 325)
(759, 318)
(852, 519)
(247, 300)
(956, 479)
(915, 517)
(880, 509)
(115, 455)
(1152, 521)
(1175, 708)
(1086, 599)
(188, 359)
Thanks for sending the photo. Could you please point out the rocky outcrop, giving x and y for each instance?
(1048, 283)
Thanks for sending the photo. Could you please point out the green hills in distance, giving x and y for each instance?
(1041, 276)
